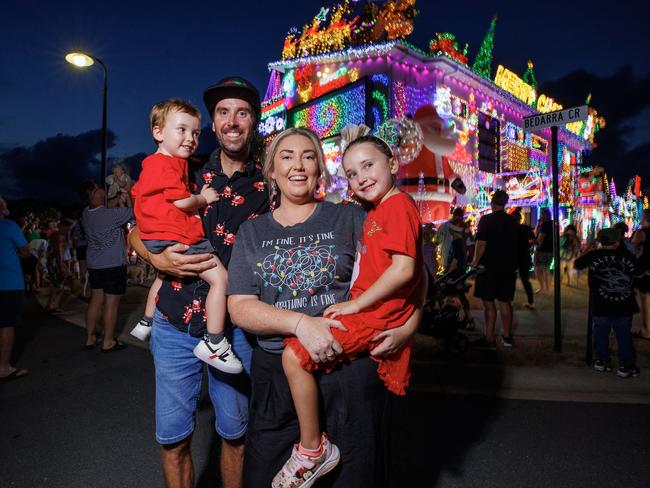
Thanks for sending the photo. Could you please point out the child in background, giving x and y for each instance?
(611, 289)
(383, 297)
(166, 214)
(119, 185)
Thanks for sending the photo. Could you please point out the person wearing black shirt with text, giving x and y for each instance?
(611, 293)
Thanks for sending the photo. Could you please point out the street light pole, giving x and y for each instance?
(104, 129)
(83, 60)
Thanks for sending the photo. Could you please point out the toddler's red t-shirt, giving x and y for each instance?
(163, 180)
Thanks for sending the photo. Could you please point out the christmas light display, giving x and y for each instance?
(517, 158)
(483, 63)
(392, 20)
(529, 188)
(529, 75)
(327, 116)
(511, 83)
(445, 44)
(379, 96)
(350, 64)
(442, 101)
(274, 87)
(400, 99)
(272, 117)
(567, 169)
(272, 106)
(403, 136)
(525, 89)
(271, 125)
(459, 107)
(338, 190)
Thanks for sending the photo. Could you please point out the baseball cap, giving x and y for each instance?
(232, 87)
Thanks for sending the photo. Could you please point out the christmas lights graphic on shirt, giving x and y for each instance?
(299, 268)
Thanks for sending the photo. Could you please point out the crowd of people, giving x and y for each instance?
(301, 308)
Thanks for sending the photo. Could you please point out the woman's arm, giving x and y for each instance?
(172, 260)
(257, 317)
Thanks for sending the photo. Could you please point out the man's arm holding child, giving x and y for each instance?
(173, 259)
(399, 273)
(207, 196)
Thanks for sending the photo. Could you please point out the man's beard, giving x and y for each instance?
(239, 151)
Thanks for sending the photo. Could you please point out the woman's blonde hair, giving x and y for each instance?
(272, 150)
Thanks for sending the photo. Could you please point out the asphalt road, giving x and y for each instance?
(85, 419)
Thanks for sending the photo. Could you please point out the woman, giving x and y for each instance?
(641, 242)
(526, 237)
(106, 260)
(286, 268)
(569, 251)
(544, 252)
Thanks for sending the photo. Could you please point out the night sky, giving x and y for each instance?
(156, 50)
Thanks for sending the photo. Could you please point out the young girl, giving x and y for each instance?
(383, 297)
(165, 212)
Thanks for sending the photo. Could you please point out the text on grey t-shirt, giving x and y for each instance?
(305, 268)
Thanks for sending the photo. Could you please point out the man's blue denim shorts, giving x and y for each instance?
(178, 384)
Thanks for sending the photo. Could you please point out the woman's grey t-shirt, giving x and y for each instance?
(103, 229)
(305, 268)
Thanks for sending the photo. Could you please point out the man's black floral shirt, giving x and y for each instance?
(242, 197)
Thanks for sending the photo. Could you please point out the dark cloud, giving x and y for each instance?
(620, 98)
(54, 167)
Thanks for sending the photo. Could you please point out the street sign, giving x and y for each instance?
(561, 117)
(554, 120)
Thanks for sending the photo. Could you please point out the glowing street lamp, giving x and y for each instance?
(83, 60)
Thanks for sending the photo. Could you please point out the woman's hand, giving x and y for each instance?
(173, 261)
(392, 340)
(343, 308)
(316, 337)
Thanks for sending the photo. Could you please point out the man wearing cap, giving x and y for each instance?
(496, 251)
(234, 105)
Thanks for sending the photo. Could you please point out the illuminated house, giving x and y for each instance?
(348, 67)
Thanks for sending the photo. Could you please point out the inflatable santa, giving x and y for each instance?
(428, 177)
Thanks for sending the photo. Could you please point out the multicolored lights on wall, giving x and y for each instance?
(330, 114)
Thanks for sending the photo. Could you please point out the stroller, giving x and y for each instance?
(444, 314)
